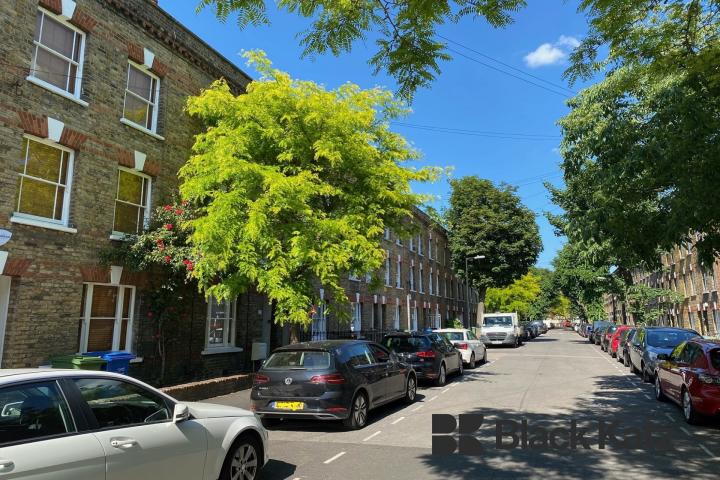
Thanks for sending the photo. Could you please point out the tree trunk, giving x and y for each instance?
(482, 291)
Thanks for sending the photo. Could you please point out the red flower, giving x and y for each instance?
(167, 258)
(168, 226)
(168, 208)
(178, 211)
(189, 265)
(161, 244)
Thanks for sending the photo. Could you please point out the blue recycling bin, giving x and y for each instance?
(117, 361)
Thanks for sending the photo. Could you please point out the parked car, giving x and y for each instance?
(598, 333)
(607, 336)
(87, 425)
(432, 356)
(625, 346)
(649, 342)
(331, 380)
(471, 348)
(618, 341)
(541, 326)
(531, 330)
(690, 377)
(593, 330)
(501, 329)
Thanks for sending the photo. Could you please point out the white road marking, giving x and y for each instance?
(398, 420)
(710, 454)
(454, 385)
(373, 435)
(446, 390)
(332, 459)
(672, 419)
(433, 398)
(417, 408)
(686, 432)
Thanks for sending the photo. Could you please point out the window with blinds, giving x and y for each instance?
(107, 312)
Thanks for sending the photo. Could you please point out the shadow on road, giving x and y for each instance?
(614, 399)
(276, 469)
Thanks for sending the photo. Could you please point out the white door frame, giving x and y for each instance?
(4, 304)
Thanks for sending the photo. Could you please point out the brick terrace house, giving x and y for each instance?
(93, 132)
(681, 272)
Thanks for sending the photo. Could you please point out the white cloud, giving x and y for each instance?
(551, 53)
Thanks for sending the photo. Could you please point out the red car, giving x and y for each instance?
(690, 377)
(615, 339)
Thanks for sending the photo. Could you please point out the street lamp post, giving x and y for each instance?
(467, 287)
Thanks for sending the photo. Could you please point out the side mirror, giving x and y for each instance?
(663, 356)
(181, 413)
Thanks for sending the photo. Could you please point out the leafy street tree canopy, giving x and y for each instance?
(490, 221)
(292, 186)
(516, 297)
(404, 31)
(640, 148)
(581, 283)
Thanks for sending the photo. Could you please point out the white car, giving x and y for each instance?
(86, 425)
(471, 348)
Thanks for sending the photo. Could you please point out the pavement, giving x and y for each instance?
(549, 382)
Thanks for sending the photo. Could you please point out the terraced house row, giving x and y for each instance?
(93, 132)
(697, 284)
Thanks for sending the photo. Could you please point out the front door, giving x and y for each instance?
(138, 435)
(4, 304)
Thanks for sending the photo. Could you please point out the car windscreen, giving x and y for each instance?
(599, 324)
(668, 338)
(715, 358)
(298, 360)
(452, 335)
(611, 329)
(504, 321)
(406, 344)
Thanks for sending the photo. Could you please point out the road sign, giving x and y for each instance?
(4, 237)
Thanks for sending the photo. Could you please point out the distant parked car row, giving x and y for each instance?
(684, 367)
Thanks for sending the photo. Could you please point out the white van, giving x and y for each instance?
(501, 329)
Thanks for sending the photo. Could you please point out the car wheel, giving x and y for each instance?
(411, 389)
(689, 413)
(440, 381)
(484, 359)
(645, 374)
(472, 360)
(626, 360)
(358, 413)
(243, 460)
(460, 367)
(659, 395)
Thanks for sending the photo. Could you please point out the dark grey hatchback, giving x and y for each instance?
(330, 380)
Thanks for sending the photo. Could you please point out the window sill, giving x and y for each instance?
(134, 125)
(137, 360)
(39, 223)
(213, 351)
(122, 237)
(56, 90)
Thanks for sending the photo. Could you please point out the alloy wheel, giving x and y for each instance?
(441, 376)
(360, 411)
(411, 389)
(472, 360)
(244, 462)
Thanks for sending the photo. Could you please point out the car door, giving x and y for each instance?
(673, 372)
(448, 351)
(40, 439)
(394, 376)
(134, 427)
(362, 361)
(477, 346)
(636, 348)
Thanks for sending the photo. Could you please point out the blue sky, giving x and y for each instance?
(467, 95)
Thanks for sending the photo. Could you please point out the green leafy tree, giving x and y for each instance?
(648, 304)
(292, 187)
(516, 297)
(403, 31)
(487, 220)
(640, 147)
(580, 282)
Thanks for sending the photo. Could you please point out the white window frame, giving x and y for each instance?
(387, 233)
(117, 329)
(146, 208)
(156, 105)
(65, 215)
(398, 273)
(229, 328)
(396, 320)
(412, 277)
(430, 254)
(430, 283)
(437, 282)
(79, 64)
(421, 286)
(419, 243)
(388, 266)
(356, 316)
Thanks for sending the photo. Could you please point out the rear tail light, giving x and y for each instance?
(426, 354)
(260, 379)
(330, 379)
(336, 410)
(462, 346)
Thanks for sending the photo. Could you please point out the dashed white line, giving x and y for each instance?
(433, 398)
(397, 421)
(446, 390)
(710, 454)
(455, 384)
(332, 459)
(371, 436)
(417, 408)
(672, 419)
(685, 431)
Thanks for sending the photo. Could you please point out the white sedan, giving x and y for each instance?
(86, 425)
(471, 348)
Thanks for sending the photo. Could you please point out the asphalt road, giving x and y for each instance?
(549, 382)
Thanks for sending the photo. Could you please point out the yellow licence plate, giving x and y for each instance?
(289, 405)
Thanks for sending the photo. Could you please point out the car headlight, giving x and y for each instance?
(652, 356)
